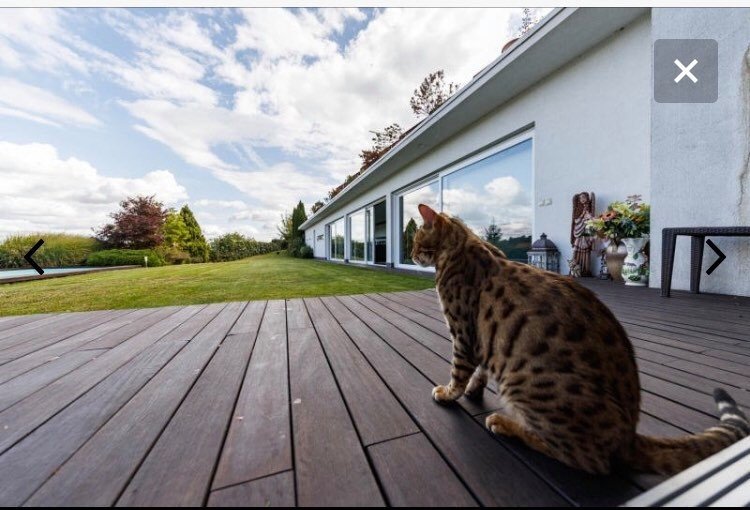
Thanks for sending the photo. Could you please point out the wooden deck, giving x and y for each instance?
(314, 402)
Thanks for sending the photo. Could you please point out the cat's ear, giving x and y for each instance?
(428, 215)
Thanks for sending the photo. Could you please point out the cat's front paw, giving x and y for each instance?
(443, 394)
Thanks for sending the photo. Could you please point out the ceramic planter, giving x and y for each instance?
(635, 265)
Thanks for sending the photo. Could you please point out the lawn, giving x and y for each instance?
(263, 277)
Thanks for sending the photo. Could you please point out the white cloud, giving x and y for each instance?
(21, 100)
(278, 79)
(42, 191)
(303, 95)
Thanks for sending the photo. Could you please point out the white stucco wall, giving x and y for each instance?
(699, 158)
(591, 127)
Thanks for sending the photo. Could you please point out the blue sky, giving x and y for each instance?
(239, 113)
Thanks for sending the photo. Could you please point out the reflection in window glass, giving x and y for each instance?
(493, 197)
(410, 217)
(336, 232)
(357, 236)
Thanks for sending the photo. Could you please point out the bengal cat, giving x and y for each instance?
(563, 363)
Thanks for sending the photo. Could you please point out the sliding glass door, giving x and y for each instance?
(336, 240)
(491, 194)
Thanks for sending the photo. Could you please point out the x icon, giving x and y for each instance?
(685, 71)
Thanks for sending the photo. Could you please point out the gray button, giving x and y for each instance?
(686, 71)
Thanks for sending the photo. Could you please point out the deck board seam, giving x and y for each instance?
(289, 403)
(177, 407)
(383, 493)
(103, 424)
(531, 469)
(402, 404)
(236, 399)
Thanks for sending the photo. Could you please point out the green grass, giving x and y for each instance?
(263, 277)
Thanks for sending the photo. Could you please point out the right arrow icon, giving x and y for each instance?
(719, 253)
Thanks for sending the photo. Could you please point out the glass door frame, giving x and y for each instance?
(447, 170)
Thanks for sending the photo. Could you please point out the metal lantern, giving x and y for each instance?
(544, 255)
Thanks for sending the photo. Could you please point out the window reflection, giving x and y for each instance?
(357, 236)
(493, 198)
(410, 217)
(336, 236)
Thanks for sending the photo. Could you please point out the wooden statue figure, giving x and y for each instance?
(582, 243)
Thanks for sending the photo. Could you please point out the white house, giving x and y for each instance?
(569, 107)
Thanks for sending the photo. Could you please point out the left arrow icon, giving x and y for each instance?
(31, 253)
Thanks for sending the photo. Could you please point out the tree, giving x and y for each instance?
(176, 233)
(290, 229)
(138, 225)
(431, 94)
(317, 206)
(408, 240)
(381, 142)
(527, 21)
(196, 244)
(493, 234)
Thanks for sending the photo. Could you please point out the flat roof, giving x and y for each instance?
(558, 38)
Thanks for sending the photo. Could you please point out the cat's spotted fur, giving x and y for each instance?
(563, 363)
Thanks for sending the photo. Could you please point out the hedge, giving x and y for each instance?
(125, 258)
(58, 250)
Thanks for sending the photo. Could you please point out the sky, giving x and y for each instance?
(239, 113)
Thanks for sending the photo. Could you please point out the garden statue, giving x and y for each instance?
(580, 239)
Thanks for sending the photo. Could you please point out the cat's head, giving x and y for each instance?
(431, 237)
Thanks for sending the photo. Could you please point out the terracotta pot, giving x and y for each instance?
(616, 253)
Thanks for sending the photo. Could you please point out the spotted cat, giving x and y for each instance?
(563, 363)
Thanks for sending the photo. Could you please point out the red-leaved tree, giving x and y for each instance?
(137, 225)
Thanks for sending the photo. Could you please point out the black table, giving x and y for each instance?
(698, 237)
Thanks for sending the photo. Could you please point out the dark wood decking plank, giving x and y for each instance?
(425, 360)
(376, 413)
(439, 344)
(329, 461)
(23, 330)
(493, 474)
(102, 467)
(417, 305)
(12, 321)
(23, 417)
(435, 325)
(684, 396)
(676, 414)
(413, 474)
(259, 444)
(184, 457)
(271, 491)
(34, 380)
(689, 380)
(27, 465)
(42, 337)
(701, 359)
(131, 325)
(581, 488)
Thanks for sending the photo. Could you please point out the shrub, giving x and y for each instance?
(58, 250)
(235, 246)
(125, 258)
(306, 252)
(175, 256)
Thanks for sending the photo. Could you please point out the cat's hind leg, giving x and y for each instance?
(475, 389)
(505, 426)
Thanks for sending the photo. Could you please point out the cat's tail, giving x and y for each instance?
(671, 455)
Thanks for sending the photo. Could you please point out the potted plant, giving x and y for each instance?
(626, 225)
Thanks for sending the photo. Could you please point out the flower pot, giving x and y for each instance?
(616, 253)
(635, 265)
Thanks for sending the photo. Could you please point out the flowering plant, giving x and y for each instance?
(621, 220)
